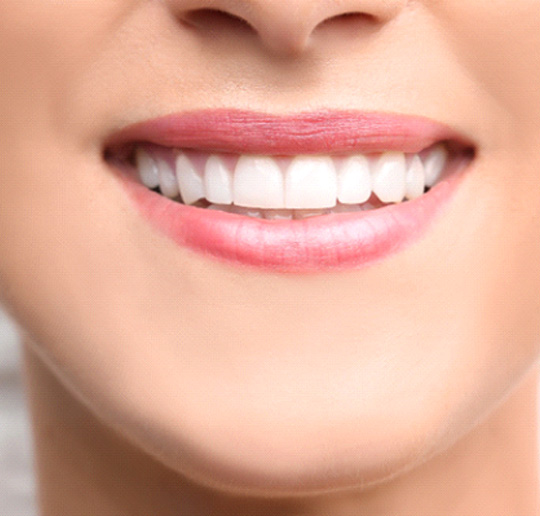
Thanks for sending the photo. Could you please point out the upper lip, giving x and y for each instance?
(314, 132)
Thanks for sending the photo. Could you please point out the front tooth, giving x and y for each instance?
(310, 183)
(435, 163)
(415, 178)
(190, 181)
(148, 168)
(218, 181)
(388, 178)
(258, 183)
(354, 180)
(167, 179)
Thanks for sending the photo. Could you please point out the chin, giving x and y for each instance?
(286, 443)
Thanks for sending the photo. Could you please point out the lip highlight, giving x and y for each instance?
(339, 241)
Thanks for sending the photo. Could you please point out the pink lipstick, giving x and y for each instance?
(335, 241)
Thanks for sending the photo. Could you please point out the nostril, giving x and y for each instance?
(349, 19)
(214, 20)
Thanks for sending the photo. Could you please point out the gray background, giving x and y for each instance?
(17, 484)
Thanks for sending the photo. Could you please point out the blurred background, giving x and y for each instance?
(17, 486)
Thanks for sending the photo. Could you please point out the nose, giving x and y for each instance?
(283, 26)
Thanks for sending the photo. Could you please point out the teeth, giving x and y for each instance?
(388, 178)
(289, 214)
(190, 182)
(346, 208)
(354, 180)
(278, 214)
(291, 187)
(258, 182)
(414, 179)
(311, 182)
(218, 181)
(304, 214)
(167, 179)
(220, 207)
(250, 212)
(435, 163)
(148, 169)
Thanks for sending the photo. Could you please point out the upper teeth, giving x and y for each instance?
(302, 182)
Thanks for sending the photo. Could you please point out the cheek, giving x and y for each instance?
(498, 42)
(57, 42)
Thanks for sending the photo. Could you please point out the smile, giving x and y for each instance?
(308, 193)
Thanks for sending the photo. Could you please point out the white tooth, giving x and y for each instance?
(190, 181)
(220, 207)
(304, 214)
(258, 183)
(218, 181)
(148, 169)
(367, 206)
(354, 180)
(415, 178)
(278, 214)
(346, 208)
(388, 178)
(249, 212)
(167, 179)
(435, 163)
(311, 183)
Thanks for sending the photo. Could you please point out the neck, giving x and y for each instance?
(84, 467)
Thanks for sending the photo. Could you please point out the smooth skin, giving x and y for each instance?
(162, 382)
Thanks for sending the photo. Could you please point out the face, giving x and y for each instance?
(254, 376)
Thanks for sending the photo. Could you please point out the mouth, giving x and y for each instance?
(305, 193)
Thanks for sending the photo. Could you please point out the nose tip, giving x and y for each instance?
(284, 26)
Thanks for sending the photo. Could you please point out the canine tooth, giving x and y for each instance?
(148, 168)
(167, 179)
(415, 178)
(435, 163)
(258, 183)
(190, 182)
(218, 181)
(311, 183)
(388, 178)
(354, 180)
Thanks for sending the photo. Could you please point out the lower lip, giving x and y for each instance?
(341, 241)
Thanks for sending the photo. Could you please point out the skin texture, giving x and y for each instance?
(376, 391)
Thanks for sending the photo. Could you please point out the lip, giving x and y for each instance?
(340, 241)
(320, 132)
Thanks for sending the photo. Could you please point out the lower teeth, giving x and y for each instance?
(290, 214)
(283, 214)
